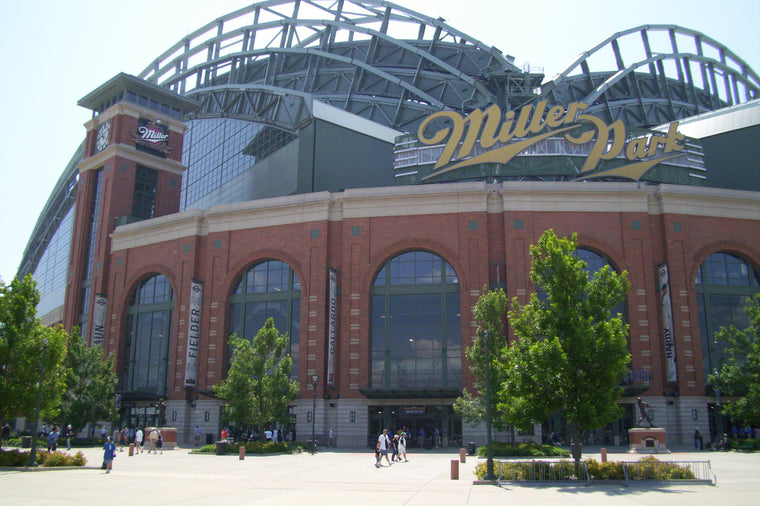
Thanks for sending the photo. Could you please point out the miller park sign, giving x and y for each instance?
(504, 136)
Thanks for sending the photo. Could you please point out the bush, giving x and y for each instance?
(17, 458)
(652, 469)
(605, 470)
(255, 448)
(527, 471)
(524, 450)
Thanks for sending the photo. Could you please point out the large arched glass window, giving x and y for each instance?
(415, 324)
(723, 284)
(148, 331)
(269, 289)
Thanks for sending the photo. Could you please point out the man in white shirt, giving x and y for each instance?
(384, 442)
(138, 440)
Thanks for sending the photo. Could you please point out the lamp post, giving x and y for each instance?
(719, 421)
(33, 452)
(489, 448)
(314, 381)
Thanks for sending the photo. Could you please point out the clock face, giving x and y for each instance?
(101, 140)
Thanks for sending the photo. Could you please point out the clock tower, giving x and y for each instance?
(131, 171)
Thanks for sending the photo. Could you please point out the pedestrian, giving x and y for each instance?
(153, 439)
(394, 448)
(197, 436)
(5, 435)
(103, 433)
(43, 431)
(384, 444)
(138, 440)
(70, 434)
(122, 439)
(52, 439)
(109, 452)
(160, 442)
(402, 447)
(115, 436)
(697, 439)
(331, 437)
(377, 454)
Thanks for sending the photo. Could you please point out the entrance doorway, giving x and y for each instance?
(426, 426)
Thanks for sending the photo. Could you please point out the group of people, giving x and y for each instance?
(396, 445)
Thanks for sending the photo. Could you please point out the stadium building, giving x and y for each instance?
(359, 172)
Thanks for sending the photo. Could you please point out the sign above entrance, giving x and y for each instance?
(504, 136)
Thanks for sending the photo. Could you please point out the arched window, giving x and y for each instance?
(148, 331)
(723, 284)
(415, 329)
(269, 289)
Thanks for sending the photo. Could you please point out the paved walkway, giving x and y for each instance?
(348, 478)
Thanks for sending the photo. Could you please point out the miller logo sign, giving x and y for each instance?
(530, 125)
(152, 135)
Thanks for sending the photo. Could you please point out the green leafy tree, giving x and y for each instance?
(571, 353)
(258, 387)
(24, 344)
(90, 382)
(489, 313)
(739, 377)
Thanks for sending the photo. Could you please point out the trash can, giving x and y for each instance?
(26, 441)
(471, 448)
(221, 447)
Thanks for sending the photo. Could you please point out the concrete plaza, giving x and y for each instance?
(349, 477)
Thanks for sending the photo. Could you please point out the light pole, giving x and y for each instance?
(314, 381)
(489, 448)
(719, 420)
(33, 452)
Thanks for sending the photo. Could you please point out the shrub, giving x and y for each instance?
(255, 448)
(535, 470)
(17, 458)
(650, 468)
(605, 470)
(524, 450)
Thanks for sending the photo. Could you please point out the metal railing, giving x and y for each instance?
(671, 471)
(541, 471)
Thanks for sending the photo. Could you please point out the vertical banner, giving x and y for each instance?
(193, 333)
(667, 324)
(99, 320)
(332, 323)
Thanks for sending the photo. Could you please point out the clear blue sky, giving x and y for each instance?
(54, 53)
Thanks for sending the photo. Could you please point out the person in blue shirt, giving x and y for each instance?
(109, 449)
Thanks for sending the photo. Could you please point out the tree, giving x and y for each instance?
(739, 376)
(489, 313)
(24, 343)
(572, 353)
(90, 383)
(258, 387)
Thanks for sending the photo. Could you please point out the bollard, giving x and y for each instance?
(462, 455)
(131, 449)
(242, 453)
(604, 455)
(454, 469)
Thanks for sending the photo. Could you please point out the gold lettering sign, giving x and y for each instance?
(533, 125)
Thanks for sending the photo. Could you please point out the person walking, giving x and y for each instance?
(109, 452)
(394, 448)
(52, 439)
(402, 447)
(6, 435)
(70, 434)
(138, 440)
(197, 436)
(153, 439)
(331, 437)
(160, 442)
(384, 442)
